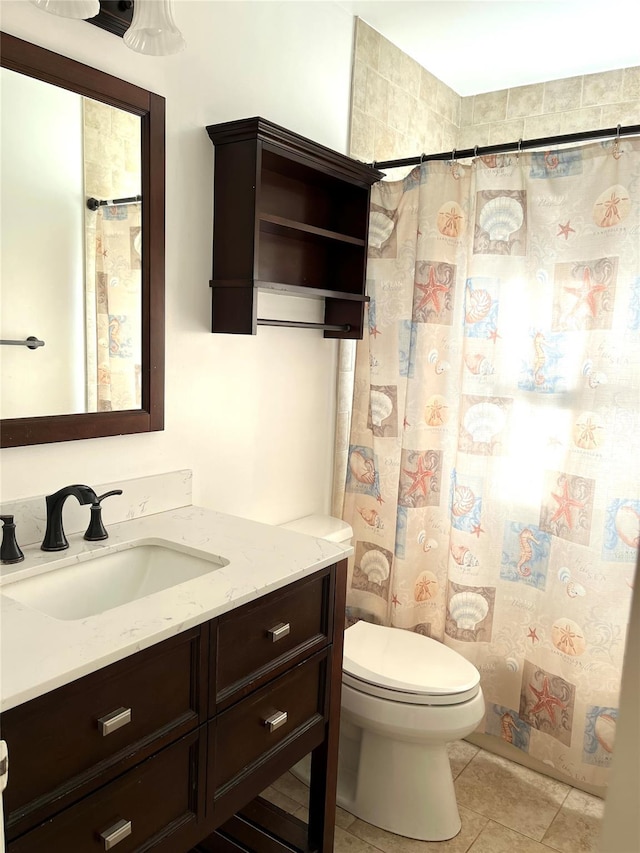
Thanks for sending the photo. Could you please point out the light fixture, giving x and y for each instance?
(81, 9)
(147, 26)
(153, 30)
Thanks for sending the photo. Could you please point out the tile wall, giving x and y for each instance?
(399, 109)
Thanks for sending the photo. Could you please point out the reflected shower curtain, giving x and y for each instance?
(493, 476)
(114, 310)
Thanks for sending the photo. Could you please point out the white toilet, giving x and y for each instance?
(404, 697)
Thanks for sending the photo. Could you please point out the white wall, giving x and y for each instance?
(252, 416)
(621, 826)
(41, 247)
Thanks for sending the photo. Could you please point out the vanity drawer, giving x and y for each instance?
(271, 719)
(160, 797)
(265, 637)
(66, 743)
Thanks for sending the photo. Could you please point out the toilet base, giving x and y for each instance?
(415, 803)
(419, 800)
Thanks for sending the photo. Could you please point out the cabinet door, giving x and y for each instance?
(260, 737)
(66, 743)
(152, 807)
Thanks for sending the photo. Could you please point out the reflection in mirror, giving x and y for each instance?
(85, 279)
(70, 274)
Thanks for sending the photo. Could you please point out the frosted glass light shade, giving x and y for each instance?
(153, 30)
(81, 9)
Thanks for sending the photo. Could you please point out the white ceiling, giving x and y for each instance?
(481, 46)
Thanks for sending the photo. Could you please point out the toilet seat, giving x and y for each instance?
(402, 666)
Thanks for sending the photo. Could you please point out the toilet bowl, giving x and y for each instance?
(404, 698)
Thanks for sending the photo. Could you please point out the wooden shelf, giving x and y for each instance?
(291, 217)
(276, 223)
(294, 289)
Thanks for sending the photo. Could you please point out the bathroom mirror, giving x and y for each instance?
(98, 274)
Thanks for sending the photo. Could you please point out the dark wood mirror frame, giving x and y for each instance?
(50, 67)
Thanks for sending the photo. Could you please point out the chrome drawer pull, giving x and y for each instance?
(114, 721)
(116, 833)
(276, 720)
(282, 629)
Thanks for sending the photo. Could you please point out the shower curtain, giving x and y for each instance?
(113, 309)
(493, 470)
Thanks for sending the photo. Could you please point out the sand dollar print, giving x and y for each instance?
(451, 220)
(436, 412)
(567, 637)
(612, 206)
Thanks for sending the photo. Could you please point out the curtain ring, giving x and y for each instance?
(518, 152)
(422, 156)
(616, 143)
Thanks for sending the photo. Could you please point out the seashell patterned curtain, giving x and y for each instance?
(493, 468)
(113, 310)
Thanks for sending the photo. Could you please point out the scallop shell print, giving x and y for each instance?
(628, 526)
(468, 609)
(380, 228)
(381, 407)
(375, 566)
(501, 217)
(479, 304)
(362, 468)
(605, 731)
(463, 501)
(484, 421)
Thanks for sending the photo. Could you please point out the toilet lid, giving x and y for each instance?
(407, 662)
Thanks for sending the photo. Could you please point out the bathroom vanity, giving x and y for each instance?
(155, 725)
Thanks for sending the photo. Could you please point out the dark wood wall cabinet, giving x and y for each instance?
(290, 216)
(169, 749)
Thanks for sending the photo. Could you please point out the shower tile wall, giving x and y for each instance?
(399, 109)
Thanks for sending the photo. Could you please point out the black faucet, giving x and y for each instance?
(54, 538)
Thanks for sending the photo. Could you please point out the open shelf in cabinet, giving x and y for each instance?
(290, 216)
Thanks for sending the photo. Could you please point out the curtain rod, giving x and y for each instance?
(520, 145)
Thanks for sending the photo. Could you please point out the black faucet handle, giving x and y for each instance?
(100, 498)
(96, 530)
(9, 550)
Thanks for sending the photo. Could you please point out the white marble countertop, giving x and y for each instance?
(40, 653)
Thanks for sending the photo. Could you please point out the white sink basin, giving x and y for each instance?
(110, 580)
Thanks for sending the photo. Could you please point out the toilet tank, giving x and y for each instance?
(323, 527)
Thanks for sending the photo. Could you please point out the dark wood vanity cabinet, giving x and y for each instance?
(290, 216)
(168, 749)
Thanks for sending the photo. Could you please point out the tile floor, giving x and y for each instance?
(505, 808)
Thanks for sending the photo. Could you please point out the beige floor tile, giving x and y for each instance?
(472, 824)
(343, 818)
(509, 794)
(279, 799)
(345, 842)
(495, 838)
(577, 826)
(460, 754)
(292, 788)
